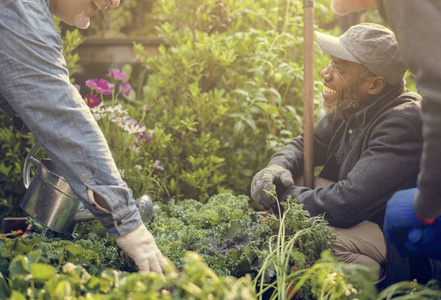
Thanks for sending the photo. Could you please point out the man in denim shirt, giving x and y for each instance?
(34, 84)
(369, 144)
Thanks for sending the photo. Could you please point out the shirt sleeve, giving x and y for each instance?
(291, 156)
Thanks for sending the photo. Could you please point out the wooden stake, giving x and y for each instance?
(308, 93)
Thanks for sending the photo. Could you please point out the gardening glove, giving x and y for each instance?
(265, 180)
(400, 219)
(427, 241)
(141, 247)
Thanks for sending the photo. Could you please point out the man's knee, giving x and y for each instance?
(362, 244)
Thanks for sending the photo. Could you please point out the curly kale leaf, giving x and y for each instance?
(231, 240)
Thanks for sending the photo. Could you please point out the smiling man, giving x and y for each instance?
(36, 92)
(369, 144)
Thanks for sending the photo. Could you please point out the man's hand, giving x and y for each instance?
(141, 247)
(265, 180)
(406, 231)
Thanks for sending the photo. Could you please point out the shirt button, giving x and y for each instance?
(350, 131)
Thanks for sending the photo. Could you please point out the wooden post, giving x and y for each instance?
(308, 92)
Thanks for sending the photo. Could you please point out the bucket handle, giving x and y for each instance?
(27, 166)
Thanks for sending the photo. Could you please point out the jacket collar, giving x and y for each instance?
(363, 116)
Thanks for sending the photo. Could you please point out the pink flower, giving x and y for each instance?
(92, 100)
(125, 88)
(91, 83)
(117, 74)
(77, 86)
(157, 166)
(101, 86)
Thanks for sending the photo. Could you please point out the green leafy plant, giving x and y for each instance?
(13, 149)
(286, 256)
(29, 278)
(412, 290)
(331, 279)
(230, 238)
(297, 245)
(238, 95)
(111, 101)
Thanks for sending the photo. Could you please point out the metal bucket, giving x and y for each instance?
(50, 200)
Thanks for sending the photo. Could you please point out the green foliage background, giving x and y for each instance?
(225, 93)
(223, 96)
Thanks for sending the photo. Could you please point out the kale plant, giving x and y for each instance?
(229, 237)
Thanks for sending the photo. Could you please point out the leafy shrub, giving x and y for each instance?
(13, 150)
(227, 89)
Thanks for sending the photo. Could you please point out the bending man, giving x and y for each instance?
(34, 84)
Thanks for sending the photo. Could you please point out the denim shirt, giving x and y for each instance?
(34, 83)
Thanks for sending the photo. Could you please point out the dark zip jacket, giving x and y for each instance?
(382, 159)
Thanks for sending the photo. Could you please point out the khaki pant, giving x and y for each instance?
(362, 244)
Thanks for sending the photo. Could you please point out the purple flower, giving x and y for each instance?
(131, 121)
(145, 108)
(157, 166)
(101, 86)
(147, 137)
(117, 74)
(125, 88)
(77, 86)
(92, 100)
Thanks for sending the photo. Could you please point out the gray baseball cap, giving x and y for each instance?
(374, 46)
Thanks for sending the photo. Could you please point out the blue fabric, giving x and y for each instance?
(35, 83)
(406, 231)
(425, 241)
(400, 217)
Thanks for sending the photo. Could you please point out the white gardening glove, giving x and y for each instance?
(141, 247)
(265, 180)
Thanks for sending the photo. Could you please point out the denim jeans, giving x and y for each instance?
(34, 83)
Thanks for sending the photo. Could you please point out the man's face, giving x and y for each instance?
(78, 12)
(345, 86)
